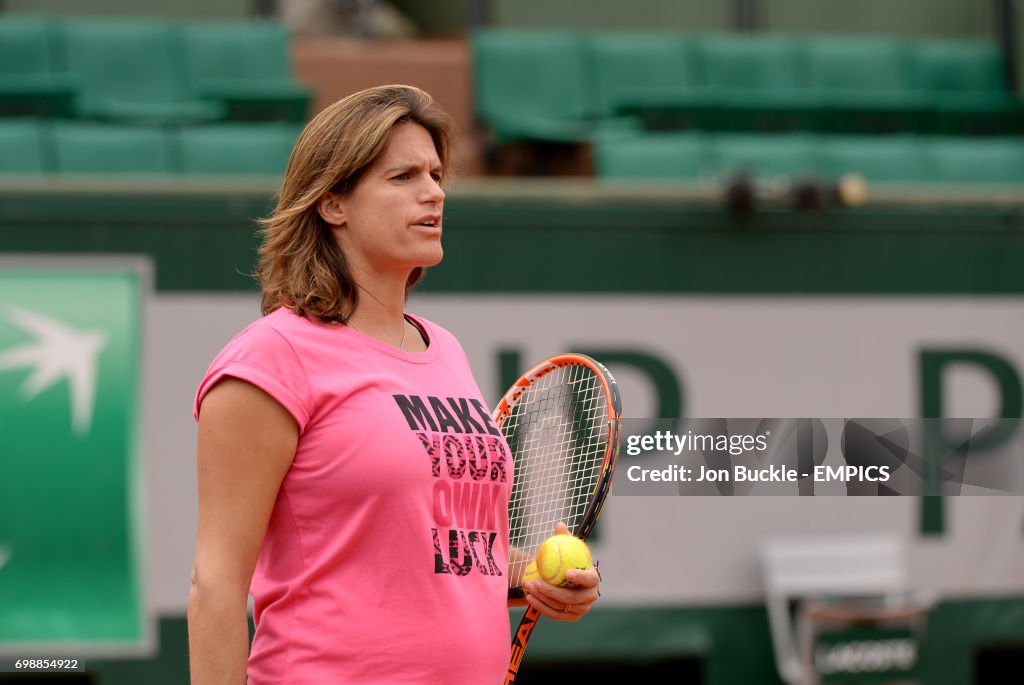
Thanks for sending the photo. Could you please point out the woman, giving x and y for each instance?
(323, 487)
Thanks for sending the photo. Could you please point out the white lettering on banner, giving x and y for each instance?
(866, 656)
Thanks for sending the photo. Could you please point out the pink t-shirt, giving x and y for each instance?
(386, 555)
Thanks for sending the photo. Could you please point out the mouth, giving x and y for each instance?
(431, 223)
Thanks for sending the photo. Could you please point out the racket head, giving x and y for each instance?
(562, 420)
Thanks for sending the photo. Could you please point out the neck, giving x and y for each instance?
(377, 303)
(380, 311)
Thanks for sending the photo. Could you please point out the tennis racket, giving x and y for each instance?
(562, 421)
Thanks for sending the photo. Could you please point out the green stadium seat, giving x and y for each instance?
(860, 66)
(868, 85)
(247, 66)
(653, 75)
(966, 160)
(967, 81)
(677, 155)
(24, 146)
(86, 147)
(238, 149)
(758, 83)
(898, 158)
(790, 155)
(959, 66)
(537, 86)
(132, 70)
(33, 81)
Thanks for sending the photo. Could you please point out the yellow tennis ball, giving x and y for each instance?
(531, 572)
(558, 554)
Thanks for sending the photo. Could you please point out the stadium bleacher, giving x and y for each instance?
(90, 147)
(653, 104)
(71, 147)
(33, 81)
(900, 159)
(22, 147)
(237, 149)
(122, 95)
(614, 89)
(245, 66)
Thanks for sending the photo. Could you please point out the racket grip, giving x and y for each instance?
(522, 636)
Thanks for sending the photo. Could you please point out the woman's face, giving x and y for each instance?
(390, 223)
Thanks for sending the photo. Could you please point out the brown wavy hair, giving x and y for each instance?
(301, 266)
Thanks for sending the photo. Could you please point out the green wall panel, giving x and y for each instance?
(209, 244)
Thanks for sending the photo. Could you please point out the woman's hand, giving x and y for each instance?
(565, 603)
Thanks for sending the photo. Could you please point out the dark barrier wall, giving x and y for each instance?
(207, 242)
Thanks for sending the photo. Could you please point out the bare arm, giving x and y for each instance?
(517, 561)
(246, 445)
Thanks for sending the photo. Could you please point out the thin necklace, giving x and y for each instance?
(405, 332)
(370, 294)
(405, 328)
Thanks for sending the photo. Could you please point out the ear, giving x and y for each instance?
(331, 209)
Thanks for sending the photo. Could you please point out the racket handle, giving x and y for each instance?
(526, 626)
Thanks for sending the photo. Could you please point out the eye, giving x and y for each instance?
(436, 175)
(402, 177)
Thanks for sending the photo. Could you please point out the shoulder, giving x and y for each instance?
(281, 327)
(268, 335)
(284, 321)
(264, 355)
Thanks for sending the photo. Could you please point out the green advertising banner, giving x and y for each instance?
(71, 577)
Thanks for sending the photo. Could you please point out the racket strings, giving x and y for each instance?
(558, 433)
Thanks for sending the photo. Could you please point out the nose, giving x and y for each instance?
(433, 191)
